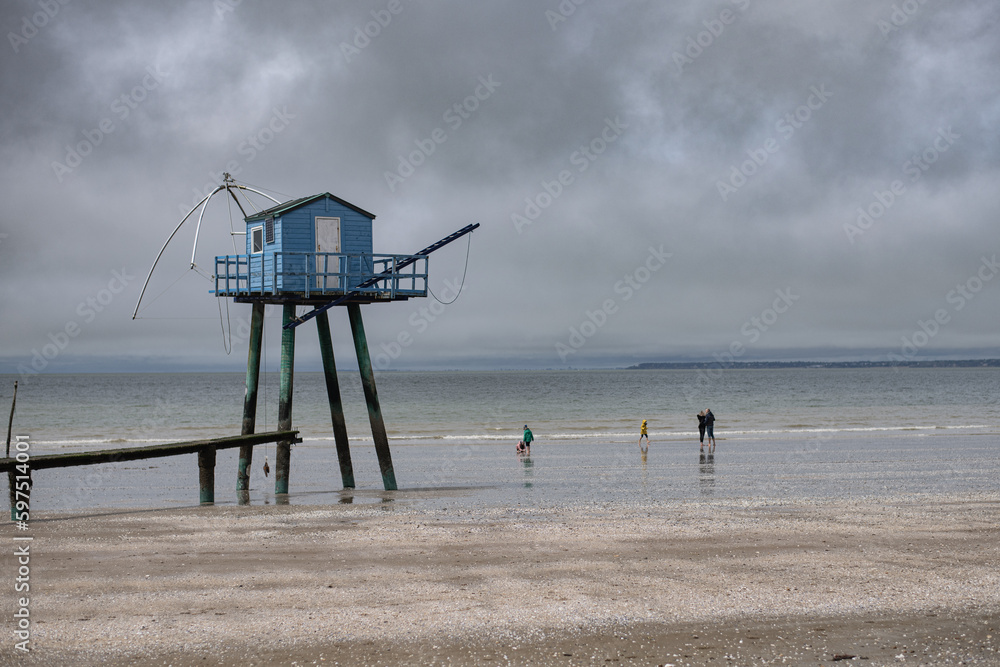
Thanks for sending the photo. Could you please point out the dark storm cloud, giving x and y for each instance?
(846, 152)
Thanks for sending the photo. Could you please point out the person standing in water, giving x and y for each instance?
(528, 437)
(701, 430)
(643, 434)
(710, 429)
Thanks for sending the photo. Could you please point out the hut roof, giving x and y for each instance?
(302, 201)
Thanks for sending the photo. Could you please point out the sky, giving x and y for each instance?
(731, 180)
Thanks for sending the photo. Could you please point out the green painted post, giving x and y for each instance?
(283, 450)
(250, 403)
(206, 475)
(333, 395)
(371, 397)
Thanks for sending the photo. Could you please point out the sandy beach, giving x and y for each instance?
(909, 581)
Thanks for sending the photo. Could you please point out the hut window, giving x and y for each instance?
(269, 229)
(257, 240)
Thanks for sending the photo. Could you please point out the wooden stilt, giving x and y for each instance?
(371, 398)
(283, 451)
(250, 402)
(10, 422)
(11, 482)
(206, 475)
(336, 406)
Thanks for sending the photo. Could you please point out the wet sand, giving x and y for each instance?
(910, 581)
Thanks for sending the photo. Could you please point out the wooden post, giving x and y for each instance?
(371, 397)
(10, 474)
(206, 475)
(250, 403)
(336, 406)
(283, 450)
(10, 422)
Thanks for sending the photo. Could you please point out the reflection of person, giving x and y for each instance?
(528, 437)
(710, 429)
(701, 430)
(643, 434)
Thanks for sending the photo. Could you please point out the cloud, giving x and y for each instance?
(708, 94)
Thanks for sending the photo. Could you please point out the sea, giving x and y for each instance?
(787, 434)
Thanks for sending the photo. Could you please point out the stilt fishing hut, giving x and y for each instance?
(316, 252)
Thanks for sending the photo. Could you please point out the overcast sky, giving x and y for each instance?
(655, 181)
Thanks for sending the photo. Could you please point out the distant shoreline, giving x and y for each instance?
(695, 365)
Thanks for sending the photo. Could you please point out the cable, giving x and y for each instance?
(261, 187)
(201, 272)
(151, 301)
(249, 201)
(263, 345)
(460, 287)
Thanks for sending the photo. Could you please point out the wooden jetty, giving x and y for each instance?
(206, 450)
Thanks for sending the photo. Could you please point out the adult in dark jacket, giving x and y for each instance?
(710, 429)
(701, 430)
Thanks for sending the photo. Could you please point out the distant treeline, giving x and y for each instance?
(938, 363)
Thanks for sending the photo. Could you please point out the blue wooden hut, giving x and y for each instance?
(311, 249)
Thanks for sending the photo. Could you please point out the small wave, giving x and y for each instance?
(855, 429)
(628, 436)
(99, 441)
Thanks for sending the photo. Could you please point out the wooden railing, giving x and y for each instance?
(319, 273)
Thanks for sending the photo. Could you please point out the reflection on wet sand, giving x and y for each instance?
(706, 473)
(529, 470)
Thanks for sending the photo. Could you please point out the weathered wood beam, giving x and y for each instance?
(44, 461)
(283, 450)
(336, 405)
(371, 398)
(250, 402)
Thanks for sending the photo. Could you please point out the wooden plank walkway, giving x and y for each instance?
(149, 452)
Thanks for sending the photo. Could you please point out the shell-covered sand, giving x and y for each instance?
(912, 580)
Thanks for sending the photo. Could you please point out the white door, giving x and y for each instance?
(327, 240)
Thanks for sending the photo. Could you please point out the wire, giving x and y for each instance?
(261, 187)
(167, 289)
(248, 200)
(263, 345)
(201, 272)
(460, 287)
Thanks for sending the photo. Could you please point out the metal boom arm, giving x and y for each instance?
(381, 276)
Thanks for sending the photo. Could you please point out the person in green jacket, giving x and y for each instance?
(528, 437)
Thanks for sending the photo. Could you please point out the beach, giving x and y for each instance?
(912, 580)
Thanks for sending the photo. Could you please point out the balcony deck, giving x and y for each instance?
(316, 278)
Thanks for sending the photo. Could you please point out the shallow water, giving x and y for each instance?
(782, 434)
